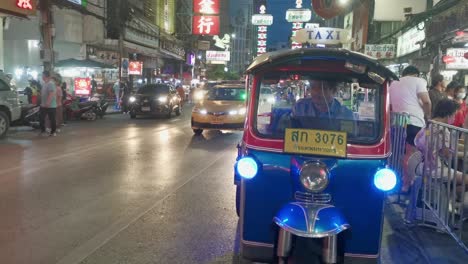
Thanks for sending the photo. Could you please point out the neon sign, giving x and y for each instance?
(24, 4)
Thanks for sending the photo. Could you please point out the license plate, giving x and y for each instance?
(217, 120)
(145, 108)
(315, 142)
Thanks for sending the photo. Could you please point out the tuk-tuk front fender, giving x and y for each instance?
(311, 220)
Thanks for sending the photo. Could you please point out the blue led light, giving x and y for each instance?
(385, 180)
(247, 167)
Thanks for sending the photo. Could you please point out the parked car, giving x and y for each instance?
(155, 99)
(10, 107)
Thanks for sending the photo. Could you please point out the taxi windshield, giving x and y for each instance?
(319, 103)
(227, 94)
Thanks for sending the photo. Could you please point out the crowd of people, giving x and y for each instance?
(442, 103)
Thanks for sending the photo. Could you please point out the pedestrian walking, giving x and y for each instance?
(48, 104)
(437, 91)
(59, 95)
(116, 89)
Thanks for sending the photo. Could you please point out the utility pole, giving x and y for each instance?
(121, 32)
(47, 28)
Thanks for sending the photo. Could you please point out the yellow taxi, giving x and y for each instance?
(222, 108)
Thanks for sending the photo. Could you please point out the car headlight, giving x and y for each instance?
(385, 180)
(132, 99)
(242, 111)
(203, 111)
(314, 176)
(198, 95)
(233, 112)
(162, 99)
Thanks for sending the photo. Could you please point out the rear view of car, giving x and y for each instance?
(155, 99)
(222, 108)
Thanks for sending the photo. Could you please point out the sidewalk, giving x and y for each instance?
(402, 243)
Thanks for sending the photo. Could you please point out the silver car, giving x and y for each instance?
(10, 107)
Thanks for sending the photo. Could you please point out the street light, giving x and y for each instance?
(225, 69)
(233, 35)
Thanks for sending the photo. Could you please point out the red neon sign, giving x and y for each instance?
(205, 25)
(209, 7)
(82, 86)
(24, 4)
(135, 68)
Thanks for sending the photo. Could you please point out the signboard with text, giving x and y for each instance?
(455, 59)
(205, 25)
(410, 41)
(135, 68)
(380, 51)
(124, 67)
(209, 7)
(214, 55)
(323, 35)
(298, 15)
(82, 86)
(18, 7)
(262, 20)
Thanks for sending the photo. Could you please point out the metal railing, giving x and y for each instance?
(399, 122)
(438, 197)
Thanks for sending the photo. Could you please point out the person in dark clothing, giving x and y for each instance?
(93, 86)
(125, 97)
(437, 91)
(29, 93)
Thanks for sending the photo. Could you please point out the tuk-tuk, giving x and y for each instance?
(311, 172)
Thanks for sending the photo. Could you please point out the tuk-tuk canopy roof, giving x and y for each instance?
(282, 56)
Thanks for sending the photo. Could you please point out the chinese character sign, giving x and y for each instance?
(209, 7)
(381, 51)
(205, 25)
(24, 4)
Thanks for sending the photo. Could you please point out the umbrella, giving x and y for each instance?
(69, 63)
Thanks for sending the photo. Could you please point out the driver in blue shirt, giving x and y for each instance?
(322, 103)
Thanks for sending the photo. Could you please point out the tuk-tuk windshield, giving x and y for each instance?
(319, 102)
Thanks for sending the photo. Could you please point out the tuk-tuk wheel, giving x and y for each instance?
(197, 131)
(238, 200)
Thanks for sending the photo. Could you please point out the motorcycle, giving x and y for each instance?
(74, 109)
(101, 105)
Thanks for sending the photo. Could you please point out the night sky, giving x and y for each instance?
(281, 29)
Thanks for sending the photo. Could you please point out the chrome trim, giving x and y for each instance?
(361, 255)
(309, 233)
(320, 198)
(257, 244)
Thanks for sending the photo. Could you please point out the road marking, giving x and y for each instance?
(89, 247)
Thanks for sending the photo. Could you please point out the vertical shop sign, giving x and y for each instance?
(206, 25)
(209, 7)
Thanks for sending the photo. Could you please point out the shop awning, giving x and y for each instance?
(70, 63)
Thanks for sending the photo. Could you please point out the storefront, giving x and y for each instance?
(12, 9)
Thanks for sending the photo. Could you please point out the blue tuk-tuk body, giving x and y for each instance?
(272, 197)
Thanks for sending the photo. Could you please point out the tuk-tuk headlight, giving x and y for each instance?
(385, 180)
(314, 176)
(247, 167)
